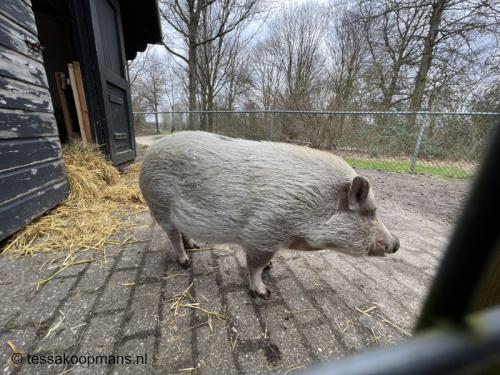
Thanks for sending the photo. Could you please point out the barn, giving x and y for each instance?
(63, 73)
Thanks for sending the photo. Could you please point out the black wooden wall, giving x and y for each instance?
(32, 176)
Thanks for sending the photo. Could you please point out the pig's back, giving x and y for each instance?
(210, 180)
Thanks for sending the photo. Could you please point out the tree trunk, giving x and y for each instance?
(157, 123)
(210, 107)
(156, 116)
(427, 55)
(192, 82)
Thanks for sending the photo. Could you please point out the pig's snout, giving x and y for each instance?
(395, 246)
(387, 245)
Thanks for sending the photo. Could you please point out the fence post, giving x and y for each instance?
(419, 143)
(273, 124)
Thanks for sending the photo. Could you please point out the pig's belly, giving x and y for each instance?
(211, 224)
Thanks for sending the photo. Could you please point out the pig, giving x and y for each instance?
(261, 195)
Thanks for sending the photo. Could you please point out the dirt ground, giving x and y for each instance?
(434, 197)
(323, 305)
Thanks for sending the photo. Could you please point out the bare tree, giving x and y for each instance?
(464, 20)
(266, 75)
(218, 59)
(238, 84)
(296, 40)
(346, 48)
(392, 40)
(149, 86)
(136, 66)
(183, 20)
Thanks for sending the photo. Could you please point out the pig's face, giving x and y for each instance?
(354, 228)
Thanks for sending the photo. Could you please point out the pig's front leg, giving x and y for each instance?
(257, 260)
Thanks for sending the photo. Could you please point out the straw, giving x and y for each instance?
(101, 203)
(182, 302)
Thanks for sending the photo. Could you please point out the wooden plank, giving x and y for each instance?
(18, 213)
(19, 95)
(14, 37)
(22, 68)
(68, 123)
(24, 124)
(19, 12)
(17, 183)
(19, 153)
(76, 97)
(83, 100)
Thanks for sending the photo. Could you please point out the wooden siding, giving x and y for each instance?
(32, 176)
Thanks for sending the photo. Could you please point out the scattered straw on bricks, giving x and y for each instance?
(101, 202)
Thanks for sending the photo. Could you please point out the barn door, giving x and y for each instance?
(107, 28)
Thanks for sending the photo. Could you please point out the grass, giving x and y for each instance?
(403, 166)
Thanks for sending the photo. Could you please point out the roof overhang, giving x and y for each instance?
(141, 25)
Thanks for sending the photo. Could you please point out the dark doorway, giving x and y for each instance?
(56, 39)
(90, 32)
(108, 34)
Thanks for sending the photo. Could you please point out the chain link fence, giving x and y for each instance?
(431, 143)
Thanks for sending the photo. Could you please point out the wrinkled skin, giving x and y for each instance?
(261, 195)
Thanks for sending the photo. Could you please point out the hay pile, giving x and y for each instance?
(100, 203)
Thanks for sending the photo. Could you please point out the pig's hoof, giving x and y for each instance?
(193, 245)
(269, 266)
(190, 244)
(266, 295)
(186, 264)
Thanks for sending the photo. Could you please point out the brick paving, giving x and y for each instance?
(123, 306)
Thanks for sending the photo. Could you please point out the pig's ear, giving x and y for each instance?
(358, 192)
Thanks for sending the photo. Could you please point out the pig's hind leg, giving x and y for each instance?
(189, 243)
(256, 262)
(176, 238)
(177, 243)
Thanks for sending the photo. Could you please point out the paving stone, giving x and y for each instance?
(68, 324)
(160, 241)
(144, 309)
(131, 255)
(117, 291)
(254, 363)
(229, 271)
(349, 327)
(21, 339)
(279, 269)
(307, 276)
(242, 315)
(99, 338)
(289, 345)
(214, 351)
(350, 296)
(175, 350)
(154, 264)
(96, 275)
(382, 296)
(207, 294)
(141, 356)
(323, 342)
(299, 306)
(202, 262)
(44, 303)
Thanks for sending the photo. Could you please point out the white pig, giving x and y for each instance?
(261, 195)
